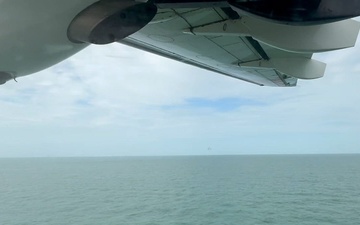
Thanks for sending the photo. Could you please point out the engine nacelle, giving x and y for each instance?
(299, 12)
(108, 21)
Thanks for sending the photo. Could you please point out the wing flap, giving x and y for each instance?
(240, 57)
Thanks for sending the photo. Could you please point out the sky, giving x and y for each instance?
(118, 101)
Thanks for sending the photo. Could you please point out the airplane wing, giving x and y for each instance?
(253, 41)
(217, 39)
(168, 35)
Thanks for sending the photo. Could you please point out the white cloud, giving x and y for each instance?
(109, 100)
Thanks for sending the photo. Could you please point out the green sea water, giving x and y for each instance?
(281, 189)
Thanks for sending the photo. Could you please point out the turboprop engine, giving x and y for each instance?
(108, 21)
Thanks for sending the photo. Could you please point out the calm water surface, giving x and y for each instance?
(307, 189)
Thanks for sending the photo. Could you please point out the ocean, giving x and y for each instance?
(181, 190)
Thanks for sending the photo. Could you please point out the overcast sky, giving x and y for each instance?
(118, 101)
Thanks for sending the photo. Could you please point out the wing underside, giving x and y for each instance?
(226, 54)
(249, 40)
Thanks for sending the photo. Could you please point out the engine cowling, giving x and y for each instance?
(108, 21)
(299, 12)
